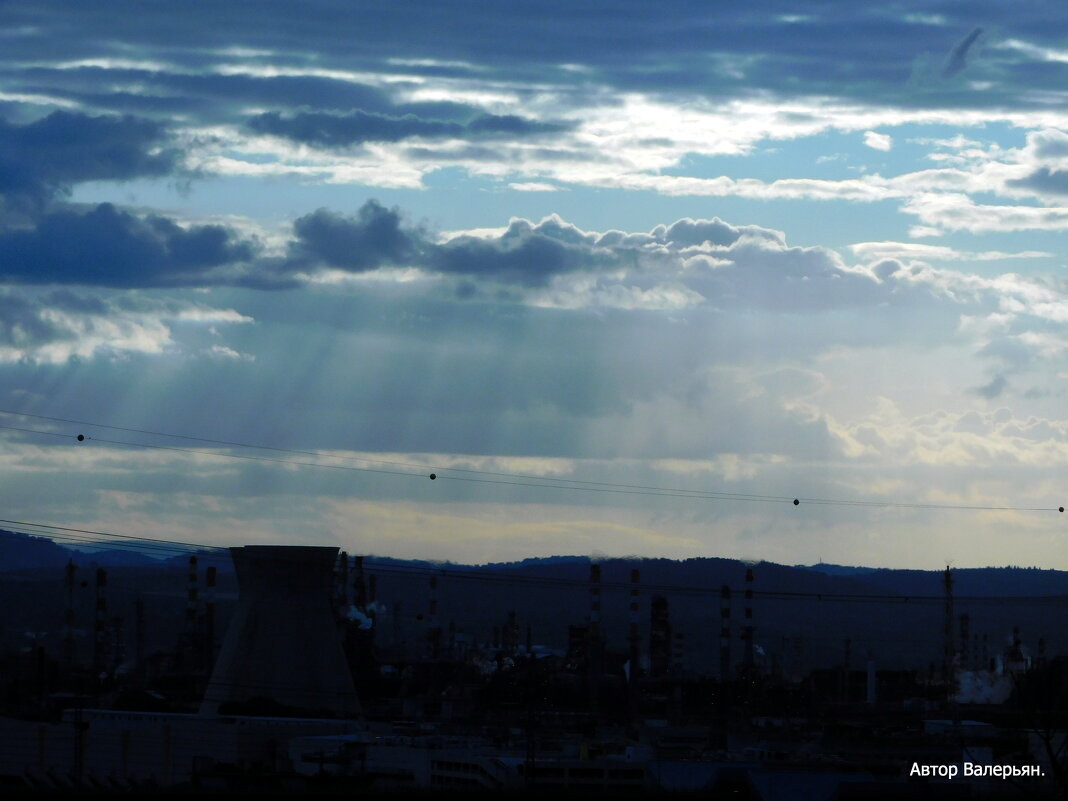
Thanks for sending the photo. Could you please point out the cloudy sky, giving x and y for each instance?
(756, 250)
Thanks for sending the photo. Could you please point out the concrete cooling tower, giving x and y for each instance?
(282, 642)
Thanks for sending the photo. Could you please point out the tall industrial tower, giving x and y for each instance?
(282, 643)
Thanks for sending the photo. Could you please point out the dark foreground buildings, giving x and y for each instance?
(314, 679)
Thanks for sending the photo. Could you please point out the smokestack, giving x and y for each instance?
(139, 635)
(748, 660)
(339, 590)
(965, 641)
(359, 588)
(659, 636)
(510, 634)
(871, 682)
(843, 687)
(192, 646)
(282, 643)
(210, 579)
(100, 627)
(724, 633)
(191, 595)
(595, 618)
(593, 643)
(635, 648)
(433, 630)
(343, 564)
(635, 643)
(947, 633)
(68, 618)
(432, 611)
(678, 648)
(595, 600)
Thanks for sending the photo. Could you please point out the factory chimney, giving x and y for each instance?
(965, 641)
(948, 651)
(282, 643)
(433, 632)
(343, 584)
(101, 655)
(635, 642)
(659, 637)
(634, 658)
(68, 619)
(748, 631)
(193, 650)
(594, 643)
(725, 633)
(594, 633)
(210, 581)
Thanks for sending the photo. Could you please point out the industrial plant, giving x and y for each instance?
(306, 669)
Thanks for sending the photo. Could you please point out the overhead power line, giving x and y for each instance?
(447, 473)
(50, 530)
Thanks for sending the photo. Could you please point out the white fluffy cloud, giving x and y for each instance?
(878, 141)
(56, 327)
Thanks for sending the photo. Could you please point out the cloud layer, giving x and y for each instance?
(804, 250)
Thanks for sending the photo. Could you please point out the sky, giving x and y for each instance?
(627, 277)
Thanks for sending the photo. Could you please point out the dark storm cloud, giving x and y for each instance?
(522, 256)
(332, 130)
(746, 265)
(530, 254)
(1049, 144)
(222, 96)
(279, 90)
(855, 50)
(106, 246)
(46, 242)
(131, 102)
(371, 238)
(213, 93)
(47, 155)
(525, 254)
(1044, 181)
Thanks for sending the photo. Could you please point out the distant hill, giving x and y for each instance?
(24, 552)
(838, 570)
(19, 551)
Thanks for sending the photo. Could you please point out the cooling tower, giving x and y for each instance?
(282, 642)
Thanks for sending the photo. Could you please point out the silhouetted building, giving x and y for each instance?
(659, 637)
(282, 645)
